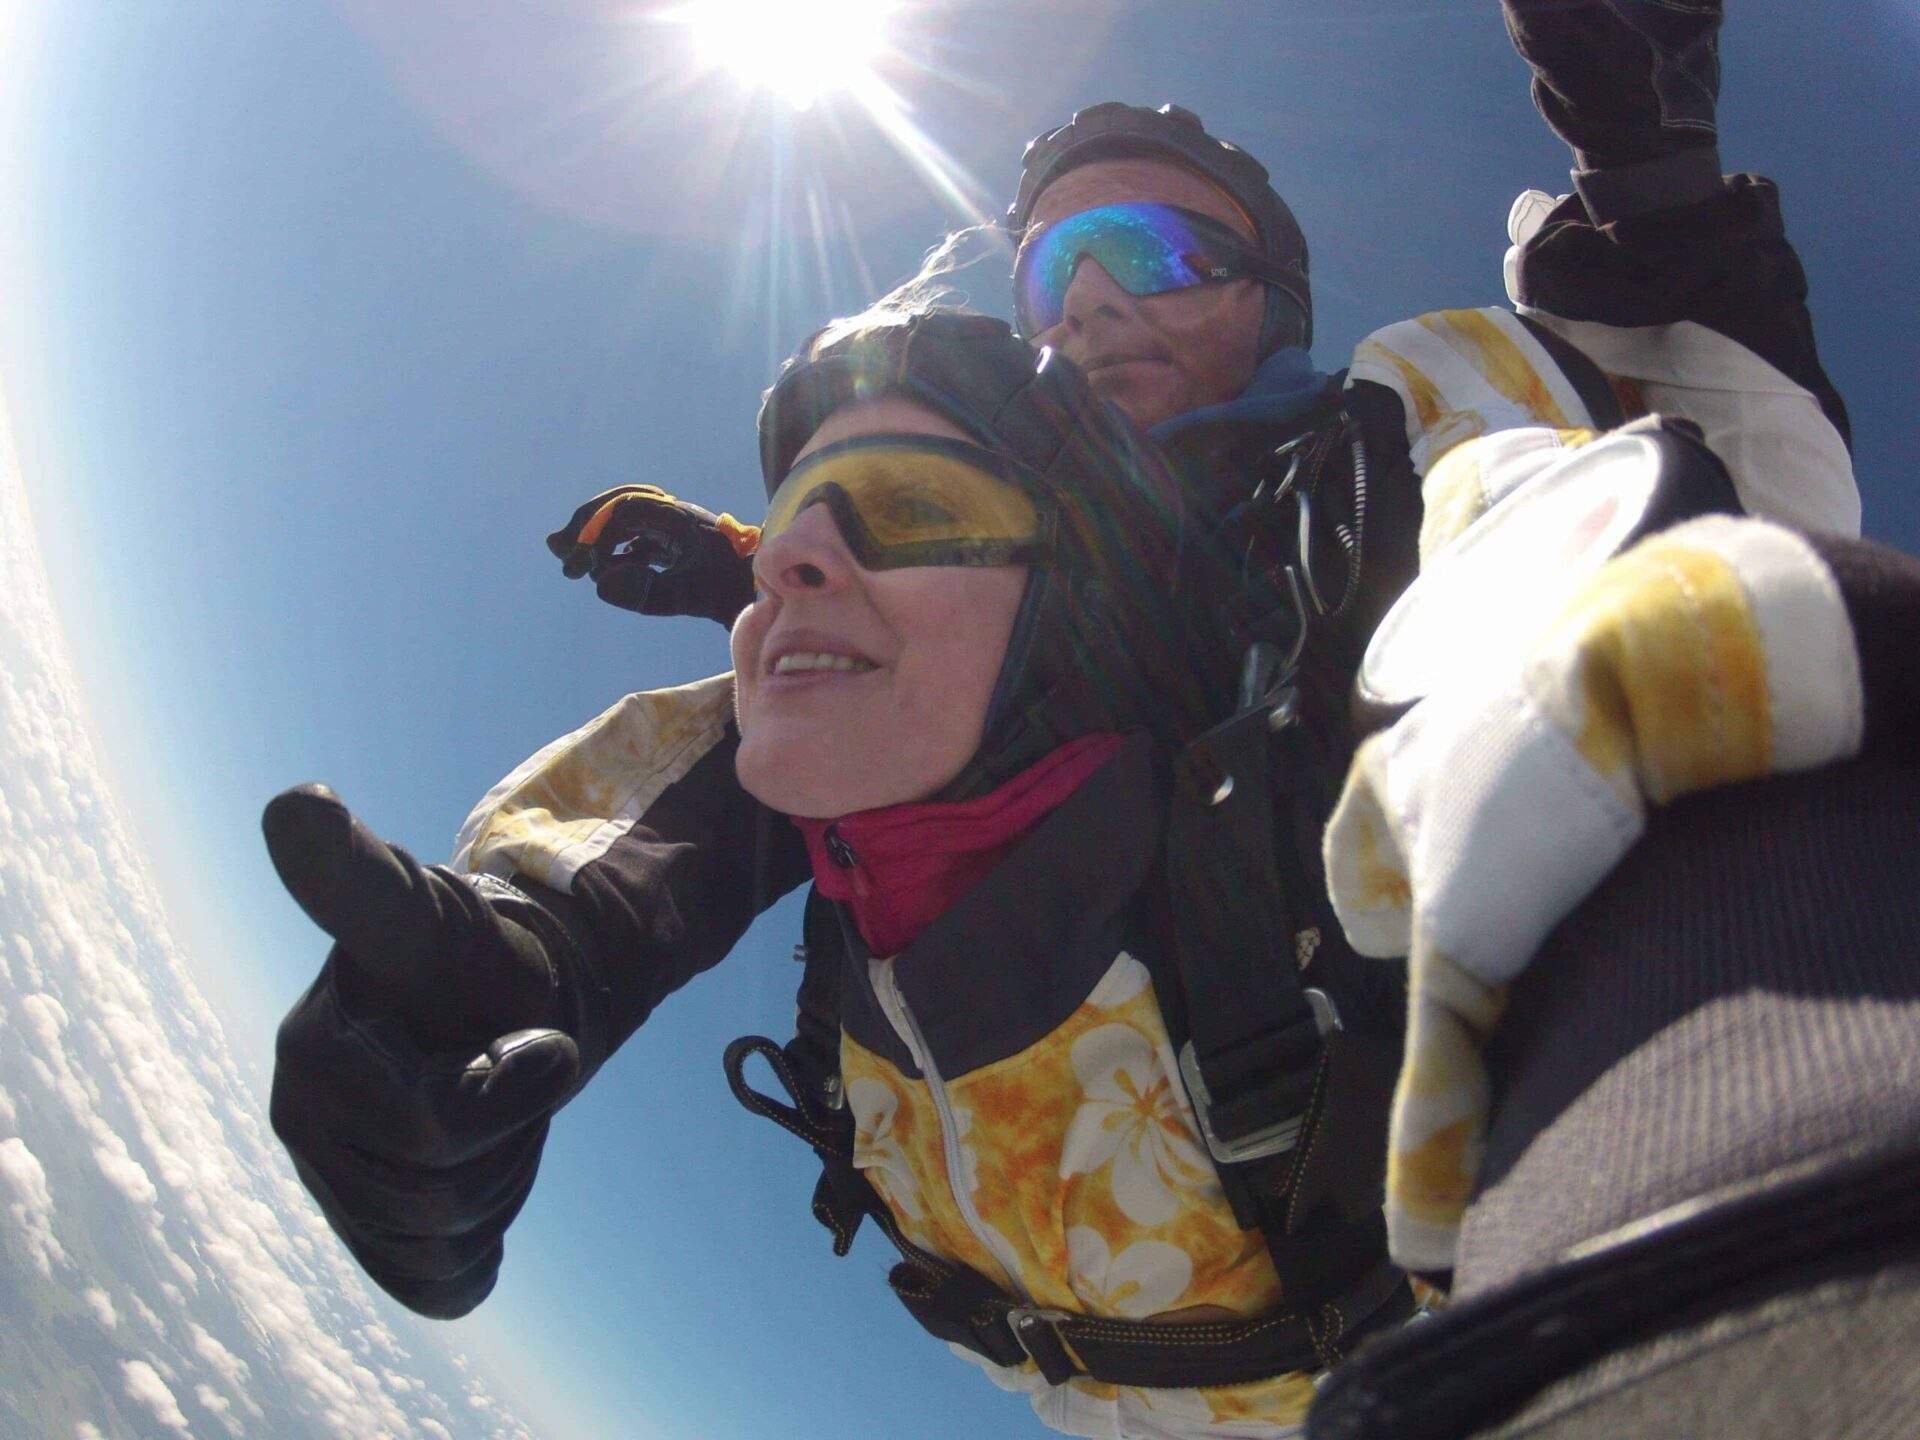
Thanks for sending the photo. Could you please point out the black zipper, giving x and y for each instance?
(840, 851)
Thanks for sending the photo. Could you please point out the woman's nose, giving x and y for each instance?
(809, 556)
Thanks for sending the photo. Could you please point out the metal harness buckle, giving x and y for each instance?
(1275, 1139)
(1025, 1322)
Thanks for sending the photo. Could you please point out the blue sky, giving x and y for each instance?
(315, 319)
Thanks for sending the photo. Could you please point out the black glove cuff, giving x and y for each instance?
(1621, 192)
(734, 592)
(584, 998)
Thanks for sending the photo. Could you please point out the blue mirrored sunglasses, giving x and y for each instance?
(1148, 249)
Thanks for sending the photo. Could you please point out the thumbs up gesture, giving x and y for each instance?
(414, 1081)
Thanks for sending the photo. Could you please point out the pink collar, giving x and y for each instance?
(901, 867)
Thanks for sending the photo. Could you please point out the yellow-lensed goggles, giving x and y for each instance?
(903, 500)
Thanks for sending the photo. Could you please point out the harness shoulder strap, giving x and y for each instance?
(1290, 1103)
(1252, 1035)
(1588, 380)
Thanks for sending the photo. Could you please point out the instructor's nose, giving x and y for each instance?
(1092, 296)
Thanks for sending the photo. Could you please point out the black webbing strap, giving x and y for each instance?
(1253, 1042)
(955, 1303)
(824, 1129)
(815, 1046)
(1274, 1080)
(962, 1307)
(842, 1198)
(958, 1305)
(1588, 380)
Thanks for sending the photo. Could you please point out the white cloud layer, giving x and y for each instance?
(101, 1304)
(23, 1180)
(218, 1406)
(139, 1185)
(143, 1384)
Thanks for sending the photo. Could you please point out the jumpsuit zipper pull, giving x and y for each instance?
(840, 850)
(842, 854)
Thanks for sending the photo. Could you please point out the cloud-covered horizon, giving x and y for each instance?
(161, 1271)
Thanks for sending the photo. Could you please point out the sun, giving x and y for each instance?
(801, 50)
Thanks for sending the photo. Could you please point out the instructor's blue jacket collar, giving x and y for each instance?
(1284, 386)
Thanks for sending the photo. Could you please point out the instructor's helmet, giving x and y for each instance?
(1113, 633)
(1110, 130)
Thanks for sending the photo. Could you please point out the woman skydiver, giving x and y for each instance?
(984, 635)
(542, 1066)
(1023, 1130)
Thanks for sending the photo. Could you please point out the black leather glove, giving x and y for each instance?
(1626, 83)
(649, 551)
(414, 1081)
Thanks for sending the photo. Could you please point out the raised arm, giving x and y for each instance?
(462, 1006)
(1654, 233)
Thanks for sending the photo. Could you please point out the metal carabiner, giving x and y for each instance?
(1291, 452)
(1303, 503)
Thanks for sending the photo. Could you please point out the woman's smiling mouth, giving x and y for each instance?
(803, 661)
(805, 654)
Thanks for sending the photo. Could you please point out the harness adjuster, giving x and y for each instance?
(1275, 1139)
(1036, 1329)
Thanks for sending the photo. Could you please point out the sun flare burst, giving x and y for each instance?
(800, 50)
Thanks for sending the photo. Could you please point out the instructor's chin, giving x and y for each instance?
(1139, 391)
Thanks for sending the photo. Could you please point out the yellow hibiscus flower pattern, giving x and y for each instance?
(1080, 1180)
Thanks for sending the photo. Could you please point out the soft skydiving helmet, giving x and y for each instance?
(1102, 640)
(1111, 130)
